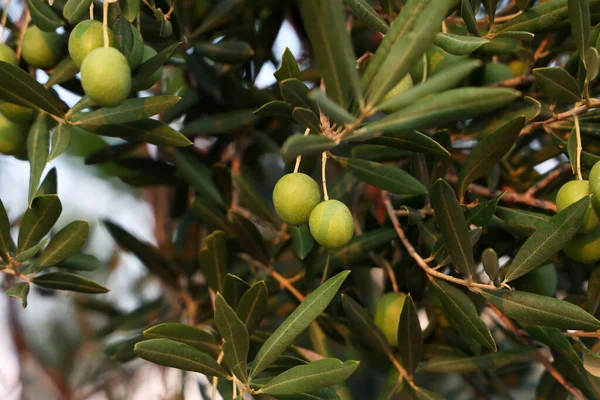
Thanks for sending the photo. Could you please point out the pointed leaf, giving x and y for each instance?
(218, 124)
(197, 175)
(253, 306)
(254, 201)
(296, 93)
(383, 176)
(276, 109)
(17, 86)
(43, 15)
(297, 145)
(68, 241)
(68, 281)
(234, 289)
(5, 239)
(38, 220)
(64, 71)
(148, 67)
(311, 376)
(314, 304)
(468, 15)
(462, 312)
(213, 260)
(187, 334)
(288, 68)
(145, 130)
(557, 84)
(38, 147)
(490, 361)
(61, 140)
(237, 340)
(179, 355)
(32, 251)
(519, 35)
(410, 337)
(482, 213)
(552, 236)
(303, 240)
(249, 237)
(579, 18)
(80, 262)
(367, 15)
(19, 290)
(330, 108)
(525, 221)
(411, 141)
(306, 117)
(459, 45)
(364, 326)
(75, 10)
(225, 51)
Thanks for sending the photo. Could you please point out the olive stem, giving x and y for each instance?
(215, 380)
(105, 22)
(325, 270)
(92, 10)
(323, 164)
(578, 148)
(299, 158)
(4, 17)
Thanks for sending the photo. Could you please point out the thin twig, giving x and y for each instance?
(324, 178)
(299, 158)
(578, 148)
(547, 180)
(105, 22)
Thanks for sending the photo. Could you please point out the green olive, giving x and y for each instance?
(584, 247)
(8, 55)
(87, 36)
(295, 196)
(42, 49)
(570, 193)
(13, 137)
(595, 186)
(106, 77)
(387, 315)
(331, 224)
(16, 112)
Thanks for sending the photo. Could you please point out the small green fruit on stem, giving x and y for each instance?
(572, 192)
(331, 224)
(42, 49)
(295, 196)
(85, 37)
(106, 77)
(8, 55)
(387, 315)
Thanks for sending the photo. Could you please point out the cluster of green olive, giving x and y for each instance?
(585, 245)
(297, 200)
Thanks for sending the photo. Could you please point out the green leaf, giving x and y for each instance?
(306, 117)
(364, 326)
(17, 86)
(253, 306)
(43, 16)
(388, 7)
(463, 314)
(541, 310)
(524, 4)
(519, 35)
(312, 306)
(554, 339)
(145, 130)
(552, 236)
(539, 18)
(75, 10)
(68, 281)
(410, 337)
(525, 221)
(213, 260)
(173, 354)
(31, 252)
(80, 262)
(593, 292)
(5, 239)
(237, 340)
(63, 72)
(325, 23)
(445, 79)
(489, 259)
(488, 152)
(367, 15)
(145, 252)
(218, 124)
(253, 200)
(451, 105)
(459, 45)
(197, 175)
(275, 108)
(61, 140)
(311, 376)
(128, 111)
(225, 51)
(587, 159)
(249, 237)
(303, 240)
(467, 14)
(411, 141)
(190, 335)
(386, 177)
(144, 71)
(374, 152)
(19, 290)
(490, 6)
(38, 220)
(557, 84)
(482, 213)
(288, 68)
(234, 289)
(49, 184)
(579, 18)
(38, 146)
(451, 221)
(68, 241)
(296, 93)
(330, 108)
(591, 361)
(461, 365)
(358, 247)
(130, 9)
(297, 145)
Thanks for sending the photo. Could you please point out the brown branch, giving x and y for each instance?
(512, 82)
(547, 180)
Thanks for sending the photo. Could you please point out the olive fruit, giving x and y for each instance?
(13, 137)
(295, 196)
(149, 52)
(387, 315)
(87, 36)
(8, 55)
(331, 224)
(517, 67)
(595, 186)
(542, 281)
(584, 247)
(42, 49)
(16, 112)
(570, 193)
(106, 77)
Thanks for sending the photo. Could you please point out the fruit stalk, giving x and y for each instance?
(105, 22)
(323, 165)
(299, 158)
(578, 148)
(92, 10)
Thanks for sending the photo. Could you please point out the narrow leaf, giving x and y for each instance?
(288, 68)
(253, 306)
(459, 45)
(19, 290)
(68, 241)
(367, 15)
(68, 281)
(61, 140)
(75, 10)
(38, 147)
(38, 220)
(5, 239)
(410, 337)
(364, 326)
(491, 361)
(296, 145)
(187, 334)
(213, 260)
(579, 18)
(557, 84)
(237, 340)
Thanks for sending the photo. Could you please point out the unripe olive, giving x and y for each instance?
(8, 55)
(42, 49)
(16, 112)
(584, 247)
(106, 77)
(295, 196)
(13, 137)
(387, 315)
(149, 52)
(570, 193)
(87, 36)
(595, 186)
(331, 224)
(517, 67)
(542, 281)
